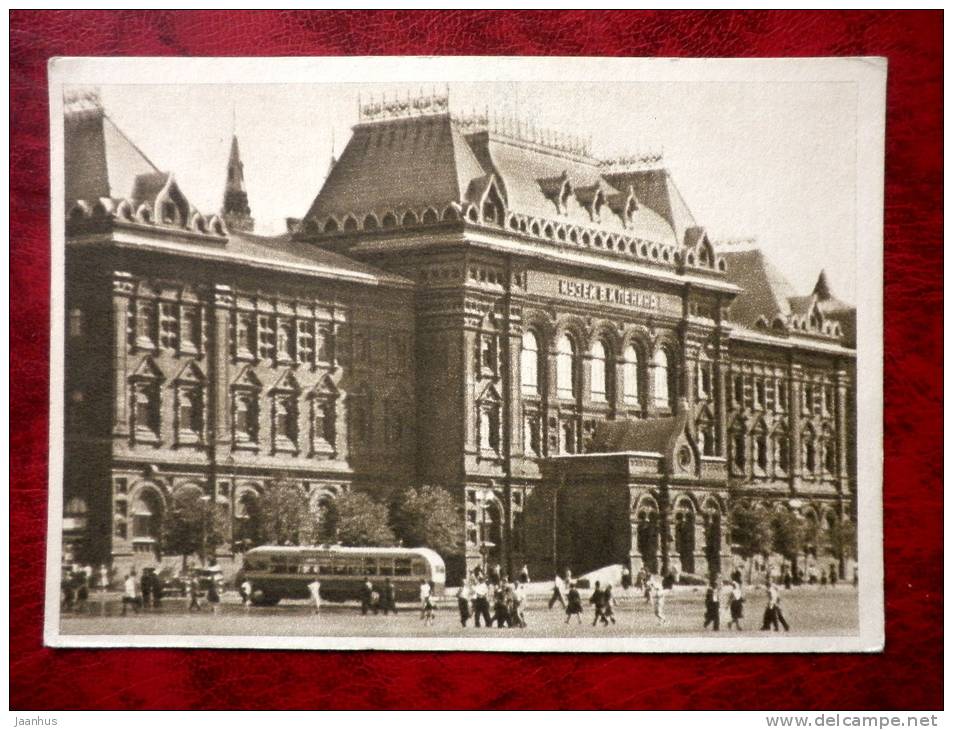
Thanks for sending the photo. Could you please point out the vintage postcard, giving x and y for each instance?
(522, 354)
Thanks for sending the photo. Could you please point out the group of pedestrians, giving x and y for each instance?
(508, 599)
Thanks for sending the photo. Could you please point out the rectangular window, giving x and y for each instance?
(782, 395)
(759, 398)
(266, 338)
(145, 323)
(769, 398)
(739, 391)
(305, 342)
(402, 566)
(284, 340)
(168, 326)
(325, 344)
(244, 335)
(191, 325)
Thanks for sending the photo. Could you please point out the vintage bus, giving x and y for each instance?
(285, 572)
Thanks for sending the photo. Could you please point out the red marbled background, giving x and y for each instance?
(907, 675)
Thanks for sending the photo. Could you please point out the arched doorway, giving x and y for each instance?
(713, 537)
(685, 534)
(647, 534)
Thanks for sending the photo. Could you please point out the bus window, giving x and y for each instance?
(277, 568)
(356, 568)
(340, 569)
(324, 567)
(438, 569)
(402, 566)
(420, 568)
(370, 566)
(386, 566)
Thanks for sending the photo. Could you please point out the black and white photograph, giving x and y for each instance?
(467, 353)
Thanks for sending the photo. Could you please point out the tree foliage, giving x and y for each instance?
(281, 515)
(354, 518)
(751, 532)
(429, 516)
(183, 528)
(789, 534)
(842, 539)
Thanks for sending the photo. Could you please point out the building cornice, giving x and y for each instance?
(133, 240)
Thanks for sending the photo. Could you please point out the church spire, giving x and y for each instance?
(235, 209)
(822, 289)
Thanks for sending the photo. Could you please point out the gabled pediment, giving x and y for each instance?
(246, 379)
(147, 370)
(324, 388)
(287, 382)
(191, 373)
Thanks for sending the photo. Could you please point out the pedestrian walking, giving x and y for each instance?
(573, 603)
(463, 603)
(429, 606)
(597, 600)
(559, 588)
(130, 595)
(833, 575)
(626, 578)
(145, 586)
(773, 615)
(524, 574)
(214, 595)
(424, 598)
(195, 591)
(314, 589)
(82, 591)
(608, 603)
(367, 596)
(712, 606)
(245, 591)
(481, 604)
(519, 602)
(657, 593)
(736, 605)
(501, 609)
(389, 597)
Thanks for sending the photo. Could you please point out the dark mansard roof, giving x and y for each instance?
(767, 300)
(110, 182)
(432, 169)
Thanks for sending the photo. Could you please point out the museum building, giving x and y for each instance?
(470, 303)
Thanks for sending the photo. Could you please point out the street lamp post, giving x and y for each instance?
(206, 499)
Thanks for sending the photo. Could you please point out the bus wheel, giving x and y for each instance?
(259, 598)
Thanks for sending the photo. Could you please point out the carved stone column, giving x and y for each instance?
(123, 289)
(219, 360)
(794, 418)
(840, 379)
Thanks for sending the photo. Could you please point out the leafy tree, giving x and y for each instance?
(842, 541)
(283, 514)
(354, 518)
(185, 522)
(789, 535)
(429, 516)
(751, 533)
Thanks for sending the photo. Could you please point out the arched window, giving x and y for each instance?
(529, 364)
(146, 515)
(761, 449)
(630, 376)
(662, 379)
(565, 368)
(600, 373)
(781, 449)
(809, 449)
